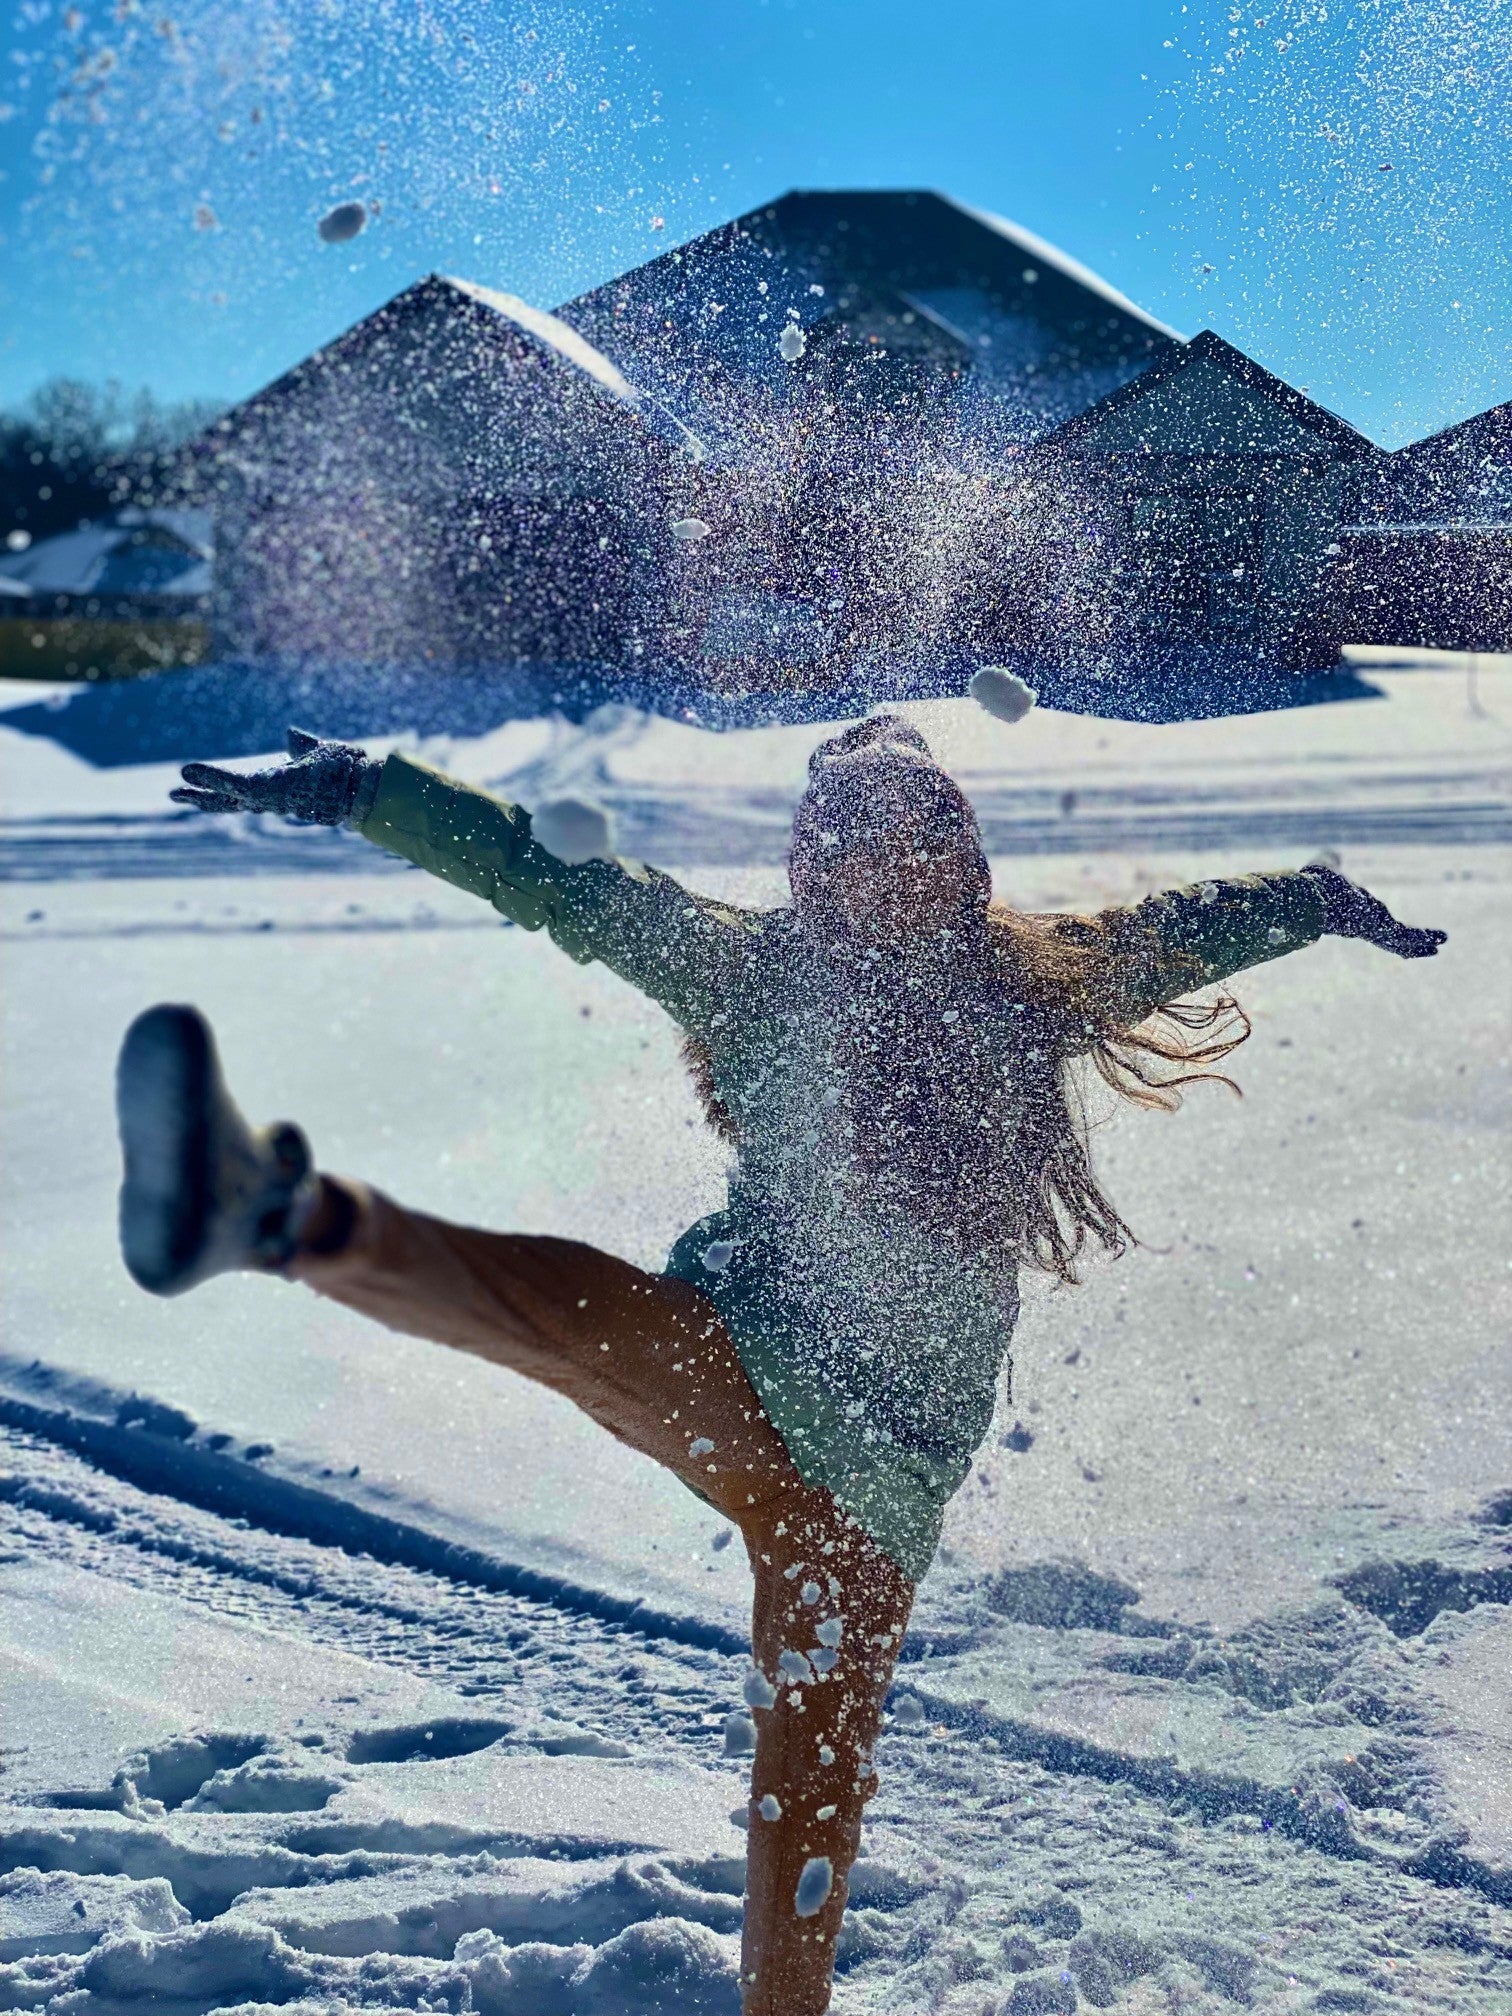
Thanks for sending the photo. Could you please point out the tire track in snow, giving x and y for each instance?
(231, 1487)
(180, 1467)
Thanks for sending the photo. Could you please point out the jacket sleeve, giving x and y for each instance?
(680, 949)
(1183, 939)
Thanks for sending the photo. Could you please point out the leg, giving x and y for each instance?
(814, 1567)
(645, 1356)
(649, 1359)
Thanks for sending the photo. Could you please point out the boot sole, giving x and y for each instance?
(165, 1091)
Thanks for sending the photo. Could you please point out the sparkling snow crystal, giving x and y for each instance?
(814, 1886)
(573, 829)
(1002, 692)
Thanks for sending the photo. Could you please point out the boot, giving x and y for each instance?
(203, 1193)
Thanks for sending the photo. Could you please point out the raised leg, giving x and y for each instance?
(648, 1358)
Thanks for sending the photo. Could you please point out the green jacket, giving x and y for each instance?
(874, 1344)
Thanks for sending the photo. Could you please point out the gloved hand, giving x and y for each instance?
(1352, 912)
(327, 784)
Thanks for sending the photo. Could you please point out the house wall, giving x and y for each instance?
(1215, 508)
(438, 500)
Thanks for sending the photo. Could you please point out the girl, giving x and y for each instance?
(891, 1057)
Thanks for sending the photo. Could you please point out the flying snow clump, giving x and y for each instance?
(791, 344)
(342, 224)
(758, 1690)
(690, 529)
(574, 830)
(908, 1713)
(1002, 692)
(717, 1255)
(813, 1886)
(739, 1735)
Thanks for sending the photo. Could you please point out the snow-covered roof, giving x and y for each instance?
(136, 551)
(436, 310)
(1194, 387)
(1460, 475)
(699, 325)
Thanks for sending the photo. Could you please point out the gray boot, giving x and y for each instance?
(203, 1193)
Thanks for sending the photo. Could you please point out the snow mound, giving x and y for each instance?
(54, 1911)
(660, 1969)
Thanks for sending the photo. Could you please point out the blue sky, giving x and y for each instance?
(1324, 184)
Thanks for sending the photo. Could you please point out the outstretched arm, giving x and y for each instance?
(1183, 939)
(679, 948)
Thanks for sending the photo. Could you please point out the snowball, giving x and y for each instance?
(814, 1886)
(826, 1755)
(811, 1592)
(908, 1713)
(722, 1539)
(343, 223)
(792, 343)
(1210, 892)
(573, 829)
(17, 541)
(824, 1658)
(758, 1690)
(739, 1735)
(688, 529)
(1276, 935)
(1002, 693)
(717, 1255)
(770, 1807)
(793, 1666)
(829, 1632)
(702, 1447)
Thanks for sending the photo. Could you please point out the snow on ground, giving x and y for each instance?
(340, 1671)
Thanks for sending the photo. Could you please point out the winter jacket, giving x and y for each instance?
(872, 1331)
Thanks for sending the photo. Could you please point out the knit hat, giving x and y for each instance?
(864, 782)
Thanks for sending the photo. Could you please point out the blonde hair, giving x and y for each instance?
(1064, 972)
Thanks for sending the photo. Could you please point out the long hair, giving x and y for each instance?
(1030, 1186)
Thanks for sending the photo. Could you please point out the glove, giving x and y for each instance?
(327, 784)
(1352, 912)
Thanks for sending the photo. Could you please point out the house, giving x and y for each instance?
(1209, 495)
(125, 593)
(1427, 556)
(866, 368)
(459, 479)
(858, 438)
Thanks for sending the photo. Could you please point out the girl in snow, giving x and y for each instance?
(892, 1058)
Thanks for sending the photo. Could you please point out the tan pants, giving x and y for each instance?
(648, 1358)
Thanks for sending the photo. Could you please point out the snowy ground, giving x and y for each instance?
(339, 1671)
